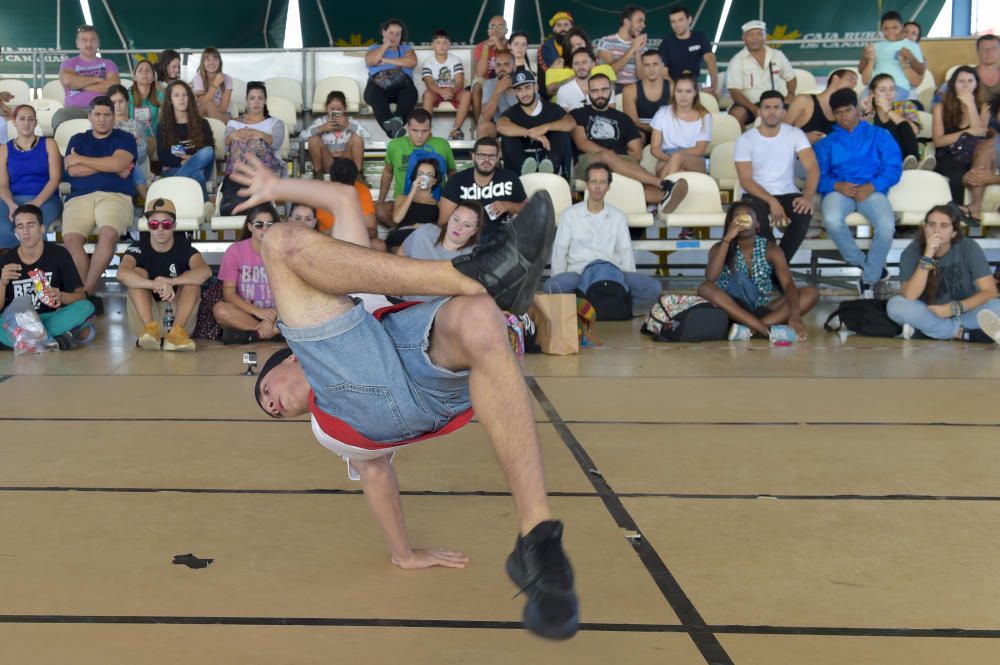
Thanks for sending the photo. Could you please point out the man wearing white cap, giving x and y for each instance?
(757, 68)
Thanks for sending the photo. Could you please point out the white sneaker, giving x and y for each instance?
(739, 333)
(909, 163)
(927, 163)
(908, 331)
(546, 166)
(989, 322)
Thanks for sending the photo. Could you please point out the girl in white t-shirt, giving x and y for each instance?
(681, 131)
(212, 87)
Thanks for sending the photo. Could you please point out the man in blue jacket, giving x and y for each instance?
(858, 163)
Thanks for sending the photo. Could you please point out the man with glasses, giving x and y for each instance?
(62, 306)
(84, 77)
(606, 135)
(498, 190)
(592, 231)
(162, 270)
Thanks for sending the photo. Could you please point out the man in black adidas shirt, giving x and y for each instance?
(498, 190)
(606, 135)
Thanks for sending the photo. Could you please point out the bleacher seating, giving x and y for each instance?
(18, 88)
(724, 128)
(221, 222)
(916, 193)
(44, 110)
(556, 186)
(284, 110)
(701, 207)
(67, 129)
(238, 100)
(53, 90)
(627, 195)
(348, 86)
(805, 83)
(722, 167)
(186, 195)
(289, 88)
(710, 103)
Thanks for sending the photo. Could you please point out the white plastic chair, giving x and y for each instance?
(710, 103)
(701, 207)
(18, 88)
(722, 166)
(284, 110)
(805, 83)
(556, 186)
(926, 125)
(991, 201)
(67, 129)
(219, 137)
(346, 85)
(648, 162)
(185, 194)
(44, 110)
(54, 90)
(628, 196)
(917, 192)
(724, 128)
(238, 100)
(289, 88)
(221, 222)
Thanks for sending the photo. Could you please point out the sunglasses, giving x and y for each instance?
(262, 225)
(166, 224)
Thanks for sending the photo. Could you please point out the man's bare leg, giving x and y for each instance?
(104, 250)
(74, 243)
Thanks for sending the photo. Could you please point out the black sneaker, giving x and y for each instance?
(65, 341)
(98, 303)
(673, 194)
(511, 264)
(541, 570)
(236, 336)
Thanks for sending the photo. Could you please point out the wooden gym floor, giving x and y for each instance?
(830, 503)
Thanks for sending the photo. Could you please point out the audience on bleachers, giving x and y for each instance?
(84, 77)
(945, 282)
(642, 99)
(333, 135)
(608, 136)
(536, 132)
(184, 142)
(142, 132)
(740, 278)
(163, 269)
(518, 45)
(457, 236)
(811, 112)
(895, 55)
(247, 312)
(961, 123)
(145, 98)
(551, 48)
(498, 95)
(755, 68)
(30, 172)
(858, 163)
(398, 163)
(99, 164)
(304, 214)
(390, 78)
(683, 50)
(63, 306)
(898, 117)
(572, 92)
(765, 159)
(682, 131)
(594, 230)
(622, 49)
(561, 71)
(420, 204)
(988, 66)
(168, 67)
(984, 169)
(498, 190)
(444, 77)
(255, 133)
(212, 87)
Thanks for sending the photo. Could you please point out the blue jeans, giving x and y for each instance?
(643, 288)
(199, 167)
(878, 211)
(51, 211)
(916, 313)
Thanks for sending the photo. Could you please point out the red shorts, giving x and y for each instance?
(438, 100)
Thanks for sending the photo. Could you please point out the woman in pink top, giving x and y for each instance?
(246, 312)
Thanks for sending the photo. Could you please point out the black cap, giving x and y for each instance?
(276, 359)
(523, 77)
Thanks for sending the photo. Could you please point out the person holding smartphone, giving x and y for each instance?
(334, 135)
(419, 206)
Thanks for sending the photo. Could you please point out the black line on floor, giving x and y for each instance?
(350, 622)
(5, 377)
(704, 640)
(500, 493)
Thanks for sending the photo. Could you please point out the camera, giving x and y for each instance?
(249, 362)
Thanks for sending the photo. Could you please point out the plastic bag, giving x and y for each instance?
(25, 329)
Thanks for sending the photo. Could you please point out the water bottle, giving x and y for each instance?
(168, 317)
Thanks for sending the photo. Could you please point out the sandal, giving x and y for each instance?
(963, 213)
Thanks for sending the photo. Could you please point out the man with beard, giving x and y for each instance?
(572, 93)
(606, 135)
(497, 95)
(623, 49)
(498, 190)
(535, 126)
(551, 49)
(765, 161)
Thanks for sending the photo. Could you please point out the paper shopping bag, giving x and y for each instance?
(555, 319)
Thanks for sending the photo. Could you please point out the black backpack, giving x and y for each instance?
(864, 317)
(610, 300)
(699, 323)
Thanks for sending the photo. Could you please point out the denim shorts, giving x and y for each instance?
(376, 375)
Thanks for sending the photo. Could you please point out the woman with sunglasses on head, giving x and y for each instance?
(213, 88)
(30, 171)
(255, 133)
(184, 141)
(247, 312)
